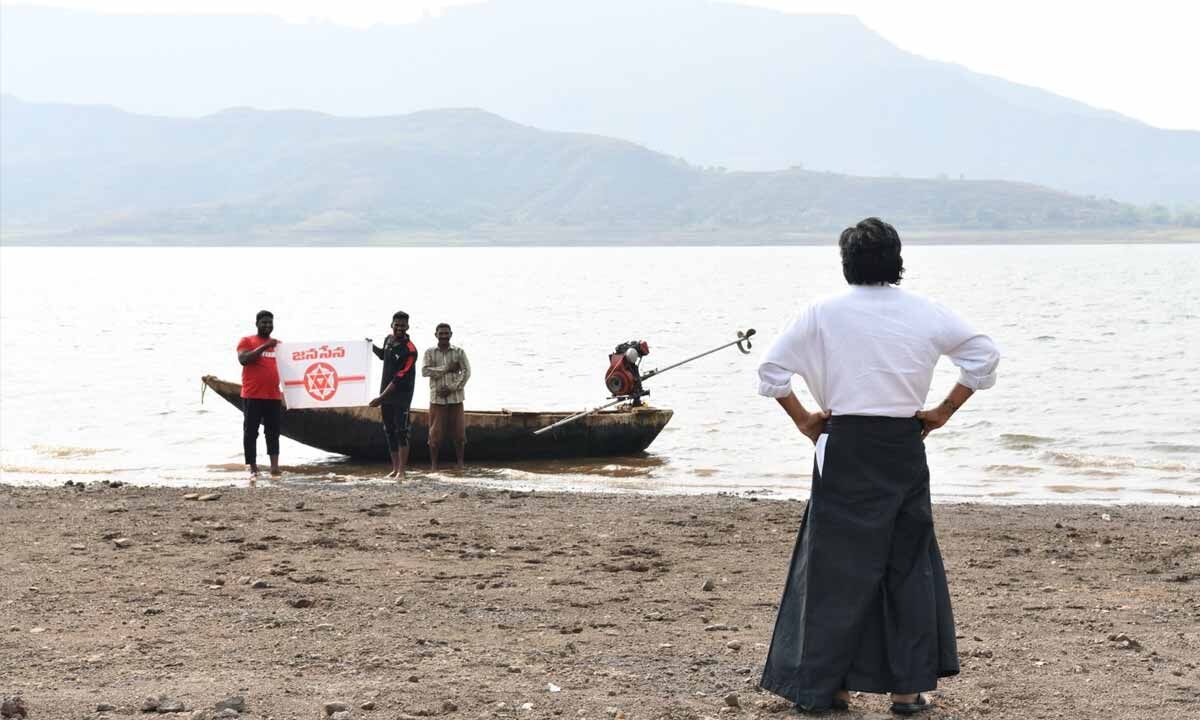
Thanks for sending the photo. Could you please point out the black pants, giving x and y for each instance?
(866, 605)
(395, 421)
(257, 412)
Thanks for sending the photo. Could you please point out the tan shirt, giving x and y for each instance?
(433, 366)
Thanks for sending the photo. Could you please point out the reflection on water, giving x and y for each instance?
(1095, 401)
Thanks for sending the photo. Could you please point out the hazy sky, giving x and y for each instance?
(1137, 58)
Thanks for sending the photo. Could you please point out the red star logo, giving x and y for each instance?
(321, 381)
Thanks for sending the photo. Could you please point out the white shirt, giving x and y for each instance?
(871, 350)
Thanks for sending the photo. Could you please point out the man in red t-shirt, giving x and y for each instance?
(262, 402)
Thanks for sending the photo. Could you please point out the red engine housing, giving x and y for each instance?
(622, 376)
(620, 379)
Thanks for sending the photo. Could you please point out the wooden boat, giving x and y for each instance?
(491, 435)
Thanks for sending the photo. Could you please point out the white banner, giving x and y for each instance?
(324, 374)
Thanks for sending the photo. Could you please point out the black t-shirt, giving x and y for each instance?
(399, 364)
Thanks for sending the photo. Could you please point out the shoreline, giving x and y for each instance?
(1075, 498)
(430, 599)
(575, 237)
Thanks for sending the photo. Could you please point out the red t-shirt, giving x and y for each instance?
(260, 377)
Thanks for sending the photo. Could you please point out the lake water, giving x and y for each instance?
(1098, 397)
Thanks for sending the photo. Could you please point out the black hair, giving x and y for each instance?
(399, 315)
(871, 253)
(264, 314)
(443, 325)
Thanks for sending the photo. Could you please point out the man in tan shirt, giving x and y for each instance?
(448, 370)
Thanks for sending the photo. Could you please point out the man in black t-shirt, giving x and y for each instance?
(399, 357)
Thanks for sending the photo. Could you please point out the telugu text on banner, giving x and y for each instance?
(324, 374)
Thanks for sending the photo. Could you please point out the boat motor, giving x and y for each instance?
(622, 377)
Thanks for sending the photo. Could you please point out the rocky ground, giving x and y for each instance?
(426, 600)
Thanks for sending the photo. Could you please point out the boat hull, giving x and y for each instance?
(493, 436)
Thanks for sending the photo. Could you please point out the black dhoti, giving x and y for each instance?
(866, 605)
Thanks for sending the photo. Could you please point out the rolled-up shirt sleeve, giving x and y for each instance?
(975, 354)
(789, 354)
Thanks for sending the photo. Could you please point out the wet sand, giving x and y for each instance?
(458, 602)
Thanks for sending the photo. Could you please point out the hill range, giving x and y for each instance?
(80, 171)
(719, 84)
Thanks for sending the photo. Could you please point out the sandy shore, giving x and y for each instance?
(428, 600)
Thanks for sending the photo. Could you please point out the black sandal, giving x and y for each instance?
(835, 704)
(813, 709)
(912, 708)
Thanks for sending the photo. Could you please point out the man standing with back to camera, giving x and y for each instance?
(262, 400)
(866, 606)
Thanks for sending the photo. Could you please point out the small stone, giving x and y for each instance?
(324, 627)
(105, 707)
(333, 707)
(37, 630)
(170, 705)
(152, 611)
(526, 706)
(449, 707)
(551, 687)
(122, 542)
(1105, 517)
(414, 678)
(203, 714)
(302, 602)
(732, 700)
(718, 627)
(13, 707)
(78, 547)
(340, 715)
(708, 585)
(210, 497)
(734, 644)
(227, 714)
(1126, 642)
(192, 496)
(400, 601)
(260, 584)
(233, 702)
(368, 705)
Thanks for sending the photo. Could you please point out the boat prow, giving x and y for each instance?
(491, 435)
